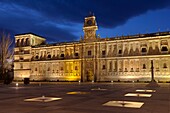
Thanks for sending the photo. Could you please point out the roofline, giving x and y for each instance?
(28, 34)
(153, 34)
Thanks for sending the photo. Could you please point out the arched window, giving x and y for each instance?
(103, 67)
(62, 55)
(37, 57)
(143, 50)
(18, 44)
(164, 49)
(164, 65)
(22, 42)
(21, 66)
(76, 68)
(27, 43)
(49, 56)
(48, 69)
(144, 66)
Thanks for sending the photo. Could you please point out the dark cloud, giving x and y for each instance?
(45, 17)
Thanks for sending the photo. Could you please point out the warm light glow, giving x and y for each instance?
(72, 73)
(124, 104)
(17, 84)
(77, 93)
(150, 91)
(137, 95)
(42, 99)
(72, 78)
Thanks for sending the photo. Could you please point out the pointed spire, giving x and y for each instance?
(91, 14)
(81, 38)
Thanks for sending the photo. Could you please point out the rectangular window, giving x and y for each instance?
(76, 54)
(62, 55)
(21, 58)
(126, 70)
(104, 67)
(21, 66)
(61, 68)
(76, 68)
(165, 65)
(143, 50)
(110, 66)
(144, 66)
(137, 69)
(103, 53)
(120, 52)
(89, 53)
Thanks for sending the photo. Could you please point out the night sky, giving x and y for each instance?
(62, 20)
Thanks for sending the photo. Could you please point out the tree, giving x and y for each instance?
(6, 53)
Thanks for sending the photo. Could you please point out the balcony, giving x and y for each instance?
(21, 52)
(23, 60)
(54, 58)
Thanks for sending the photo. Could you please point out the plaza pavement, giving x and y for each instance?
(91, 101)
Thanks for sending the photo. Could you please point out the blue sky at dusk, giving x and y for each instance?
(62, 20)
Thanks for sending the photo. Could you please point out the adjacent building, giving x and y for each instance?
(92, 58)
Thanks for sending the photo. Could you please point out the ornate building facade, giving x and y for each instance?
(124, 58)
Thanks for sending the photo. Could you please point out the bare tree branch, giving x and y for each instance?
(5, 52)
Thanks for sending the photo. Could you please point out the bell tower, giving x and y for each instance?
(89, 28)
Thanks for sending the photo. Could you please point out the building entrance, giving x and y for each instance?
(89, 75)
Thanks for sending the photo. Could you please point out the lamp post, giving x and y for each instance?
(152, 71)
(153, 83)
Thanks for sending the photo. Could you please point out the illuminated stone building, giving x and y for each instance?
(124, 58)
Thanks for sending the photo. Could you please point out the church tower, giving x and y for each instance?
(89, 28)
